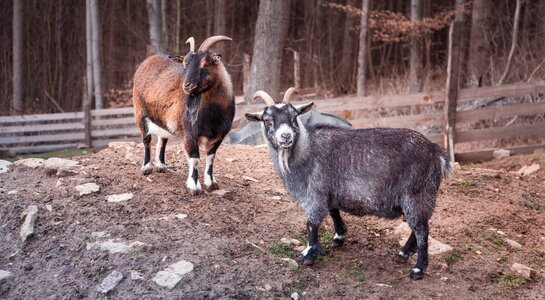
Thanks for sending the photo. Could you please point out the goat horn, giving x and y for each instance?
(209, 42)
(288, 93)
(266, 97)
(191, 42)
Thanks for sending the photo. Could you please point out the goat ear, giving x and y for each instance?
(303, 108)
(254, 117)
(216, 58)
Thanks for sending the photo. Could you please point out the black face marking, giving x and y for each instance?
(274, 117)
(197, 72)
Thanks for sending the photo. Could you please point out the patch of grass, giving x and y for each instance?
(326, 237)
(512, 281)
(45, 155)
(228, 261)
(451, 257)
(197, 269)
(378, 230)
(355, 273)
(283, 250)
(532, 203)
(521, 228)
(465, 185)
(496, 240)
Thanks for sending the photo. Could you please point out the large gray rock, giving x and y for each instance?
(54, 164)
(434, 246)
(27, 229)
(87, 188)
(4, 275)
(30, 162)
(5, 166)
(250, 134)
(170, 276)
(118, 247)
(110, 282)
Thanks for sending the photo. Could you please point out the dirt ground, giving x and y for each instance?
(476, 209)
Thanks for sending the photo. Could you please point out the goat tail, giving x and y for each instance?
(446, 167)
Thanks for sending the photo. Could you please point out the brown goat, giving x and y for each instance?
(192, 99)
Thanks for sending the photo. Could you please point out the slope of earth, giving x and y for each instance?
(234, 238)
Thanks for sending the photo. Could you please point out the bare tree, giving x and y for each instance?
(415, 68)
(17, 99)
(155, 27)
(514, 40)
(362, 54)
(89, 48)
(478, 51)
(270, 32)
(95, 21)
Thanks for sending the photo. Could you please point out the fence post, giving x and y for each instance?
(453, 75)
(87, 115)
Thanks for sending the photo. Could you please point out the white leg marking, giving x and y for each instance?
(158, 164)
(338, 237)
(400, 253)
(193, 164)
(155, 129)
(208, 180)
(146, 169)
(416, 270)
(305, 252)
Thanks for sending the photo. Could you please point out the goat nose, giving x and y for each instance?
(187, 84)
(286, 136)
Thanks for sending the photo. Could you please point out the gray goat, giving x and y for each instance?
(385, 172)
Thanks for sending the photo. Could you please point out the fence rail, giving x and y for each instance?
(422, 112)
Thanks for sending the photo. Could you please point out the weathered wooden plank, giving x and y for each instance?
(501, 111)
(113, 121)
(130, 131)
(43, 138)
(41, 148)
(484, 155)
(41, 127)
(41, 117)
(501, 132)
(112, 111)
(519, 89)
(410, 121)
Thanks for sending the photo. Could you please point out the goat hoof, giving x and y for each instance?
(336, 243)
(211, 187)
(308, 261)
(416, 273)
(160, 167)
(401, 257)
(146, 169)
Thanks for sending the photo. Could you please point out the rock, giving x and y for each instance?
(27, 229)
(290, 241)
(110, 282)
(527, 170)
(170, 276)
(49, 207)
(291, 262)
(268, 287)
(276, 198)
(87, 188)
(5, 166)
(135, 275)
(501, 153)
(294, 296)
(53, 164)
(30, 162)
(231, 160)
(121, 145)
(66, 172)
(100, 234)
(118, 247)
(4, 275)
(119, 197)
(249, 178)
(435, 247)
(220, 192)
(523, 270)
(13, 192)
(180, 216)
(444, 278)
(512, 243)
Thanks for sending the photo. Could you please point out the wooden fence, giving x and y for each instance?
(422, 112)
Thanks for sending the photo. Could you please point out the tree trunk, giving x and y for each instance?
(155, 27)
(96, 54)
(89, 48)
(164, 29)
(415, 72)
(346, 75)
(220, 24)
(362, 57)
(478, 51)
(514, 40)
(271, 30)
(17, 100)
(178, 16)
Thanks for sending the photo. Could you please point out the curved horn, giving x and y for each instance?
(191, 42)
(209, 42)
(288, 93)
(266, 97)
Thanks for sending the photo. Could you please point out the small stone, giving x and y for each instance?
(444, 278)
(523, 270)
(383, 285)
(135, 275)
(249, 178)
(295, 296)
(66, 172)
(27, 229)
(180, 216)
(87, 188)
(276, 198)
(231, 160)
(110, 282)
(13, 192)
(30, 162)
(118, 247)
(500, 232)
(528, 170)
(290, 241)
(119, 197)
(220, 192)
(512, 243)
(291, 262)
(478, 252)
(501, 153)
(170, 276)
(4, 275)
(268, 287)
(435, 247)
(49, 207)
(5, 166)
(100, 234)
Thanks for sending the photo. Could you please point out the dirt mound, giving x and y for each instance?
(233, 238)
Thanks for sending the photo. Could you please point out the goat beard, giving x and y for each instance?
(283, 156)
